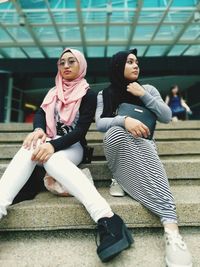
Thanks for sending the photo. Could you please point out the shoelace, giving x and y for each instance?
(105, 231)
(175, 239)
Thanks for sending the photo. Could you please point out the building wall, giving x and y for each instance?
(36, 76)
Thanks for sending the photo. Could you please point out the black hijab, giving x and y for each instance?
(116, 92)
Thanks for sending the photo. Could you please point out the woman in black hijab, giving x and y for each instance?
(130, 149)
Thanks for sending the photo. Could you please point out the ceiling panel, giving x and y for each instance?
(99, 28)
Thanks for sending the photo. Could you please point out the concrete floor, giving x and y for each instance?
(77, 248)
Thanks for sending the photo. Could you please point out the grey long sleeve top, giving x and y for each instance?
(151, 99)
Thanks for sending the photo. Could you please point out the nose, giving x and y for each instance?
(66, 65)
(135, 66)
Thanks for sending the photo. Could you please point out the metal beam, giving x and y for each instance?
(28, 27)
(134, 23)
(81, 27)
(53, 20)
(116, 42)
(94, 24)
(159, 24)
(4, 54)
(13, 39)
(183, 52)
(103, 10)
(181, 32)
(108, 14)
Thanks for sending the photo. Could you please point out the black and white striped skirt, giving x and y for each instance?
(135, 164)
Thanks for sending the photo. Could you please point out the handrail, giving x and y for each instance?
(9, 105)
(195, 105)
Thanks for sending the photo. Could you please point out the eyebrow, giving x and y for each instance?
(63, 59)
(134, 58)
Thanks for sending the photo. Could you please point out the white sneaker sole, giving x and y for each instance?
(117, 195)
(169, 264)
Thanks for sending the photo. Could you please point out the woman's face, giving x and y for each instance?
(175, 90)
(131, 70)
(68, 66)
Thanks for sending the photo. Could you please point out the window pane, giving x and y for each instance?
(20, 33)
(192, 32)
(168, 32)
(177, 16)
(119, 32)
(14, 52)
(114, 49)
(144, 32)
(91, 16)
(70, 33)
(95, 51)
(33, 52)
(4, 36)
(156, 51)
(177, 50)
(38, 17)
(54, 52)
(194, 50)
(65, 17)
(153, 16)
(45, 33)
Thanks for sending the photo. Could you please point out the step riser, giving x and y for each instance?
(98, 137)
(164, 148)
(67, 213)
(175, 169)
(19, 127)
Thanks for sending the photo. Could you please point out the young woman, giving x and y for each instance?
(177, 104)
(57, 143)
(132, 157)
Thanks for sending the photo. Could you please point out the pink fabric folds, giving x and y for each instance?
(67, 94)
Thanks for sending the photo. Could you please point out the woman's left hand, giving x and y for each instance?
(135, 89)
(43, 152)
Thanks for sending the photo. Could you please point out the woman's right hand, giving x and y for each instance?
(136, 127)
(31, 139)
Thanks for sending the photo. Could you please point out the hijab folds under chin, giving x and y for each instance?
(66, 95)
(116, 92)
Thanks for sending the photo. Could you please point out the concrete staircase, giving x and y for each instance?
(72, 244)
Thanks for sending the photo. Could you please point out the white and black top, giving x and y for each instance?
(81, 124)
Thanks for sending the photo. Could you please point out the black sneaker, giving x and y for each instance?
(114, 237)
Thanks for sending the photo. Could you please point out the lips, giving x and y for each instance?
(67, 72)
(135, 72)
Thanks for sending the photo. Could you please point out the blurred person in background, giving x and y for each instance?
(177, 104)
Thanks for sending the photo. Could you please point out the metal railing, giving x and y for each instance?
(13, 103)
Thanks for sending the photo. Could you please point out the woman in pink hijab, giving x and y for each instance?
(57, 143)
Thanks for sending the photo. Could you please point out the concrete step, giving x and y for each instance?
(169, 148)
(176, 168)
(160, 135)
(93, 136)
(26, 127)
(48, 212)
(78, 249)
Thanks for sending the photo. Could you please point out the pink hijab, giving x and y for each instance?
(67, 94)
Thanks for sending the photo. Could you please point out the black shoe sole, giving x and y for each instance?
(112, 251)
(128, 236)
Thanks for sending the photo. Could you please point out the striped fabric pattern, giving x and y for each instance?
(135, 164)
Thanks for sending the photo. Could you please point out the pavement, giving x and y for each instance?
(77, 248)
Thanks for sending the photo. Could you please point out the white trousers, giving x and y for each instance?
(61, 166)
